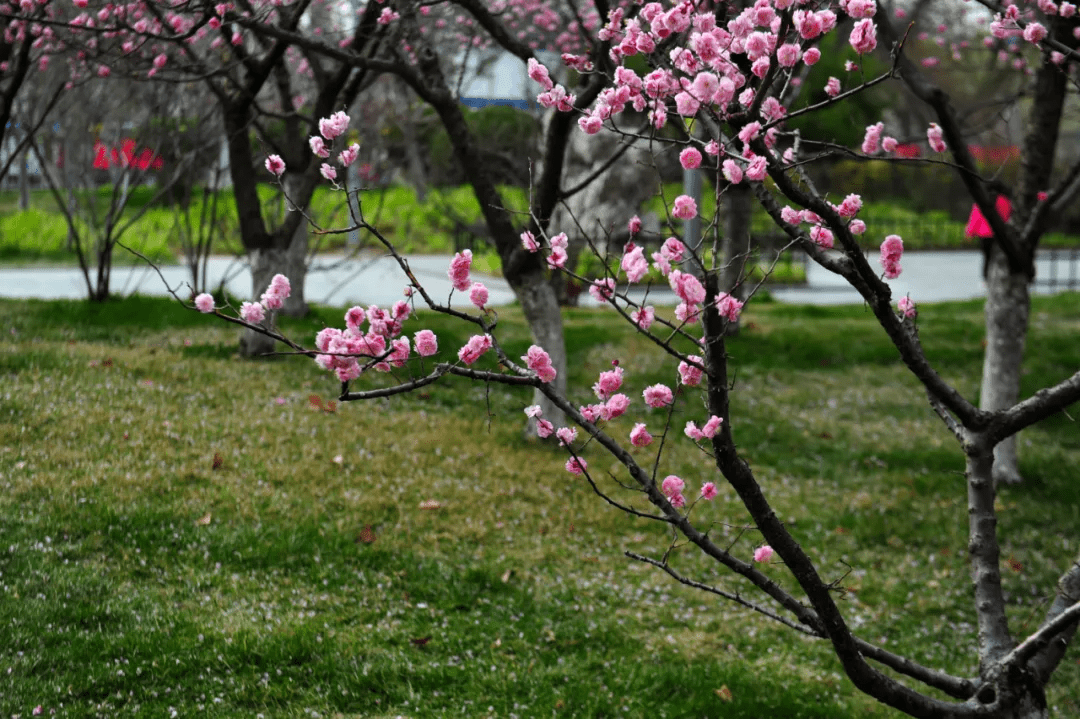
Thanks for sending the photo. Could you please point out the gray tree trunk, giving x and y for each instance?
(541, 306)
(738, 211)
(1008, 305)
(294, 258)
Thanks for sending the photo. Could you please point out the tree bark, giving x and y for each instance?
(294, 258)
(738, 210)
(1008, 305)
(541, 307)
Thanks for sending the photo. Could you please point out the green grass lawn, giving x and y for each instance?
(182, 530)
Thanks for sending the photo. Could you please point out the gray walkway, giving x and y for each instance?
(927, 276)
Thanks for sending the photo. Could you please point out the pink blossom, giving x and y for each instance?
(892, 249)
(616, 406)
(763, 554)
(677, 500)
(275, 165)
(672, 485)
(690, 375)
(673, 250)
(687, 287)
(872, 138)
(475, 348)
(533, 411)
(528, 241)
(335, 125)
(539, 361)
(459, 270)
(787, 55)
(426, 343)
(328, 172)
(684, 208)
(832, 87)
(634, 225)
(690, 158)
(634, 263)
(602, 290)
(276, 294)
(822, 236)
(757, 169)
(688, 313)
(729, 307)
(348, 156)
(935, 136)
(608, 383)
(478, 294)
(318, 146)
(204, 303)
(889, 144)
(639, 436)
(857, 227)
(710, 428)
(907, 306)
(576, 465)
(658, 395)
(566, 435)
(557, 259)
(643, 317)
(850, 206)
(544, 428)
(1035, 32)
(811, 56)
(732, 172)
(539, 74)
(691, 430)
(708, 491)
(863, 36)
(160, 60)
(252, 312)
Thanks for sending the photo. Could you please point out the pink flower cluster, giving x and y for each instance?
(892, 249)
(544, 428)
(935, 136)
(475, 348)
(340, 351)
(658, 395)
(539, 362)
(204, 303)
(707, 431)
(276, 294)
(459, 270)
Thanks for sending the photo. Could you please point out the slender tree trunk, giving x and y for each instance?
(738, 210)
(1008, 305)
(541, 306)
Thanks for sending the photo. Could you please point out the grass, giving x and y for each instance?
(187, 532)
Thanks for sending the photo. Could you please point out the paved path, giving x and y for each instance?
(927, 276)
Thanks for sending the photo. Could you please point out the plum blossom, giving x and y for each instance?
(832, 87)
(732, 172)
(328, 172)
(426, 343)
(576, 465)
(478, 294)
(672, 485)
(690, 375)
(318, 146)
(528, 241)
(475, 348)
(763, 554)
(608, 383)
(892, 249)
(634, 263)
(566, 435)
(633, 226)
(276, 294)
(275, 165)
(639, 436)
(539, 361)
(684, 208)
(935, 136)
(863, 36)
(348, 156)
(252, 312)
(708, 491)
(872, 139)
(334, 126)
(658, 396)
(459, 270)
(690, 158)
(602, 290)
(643, 317)
(204, 303)
(907, 307)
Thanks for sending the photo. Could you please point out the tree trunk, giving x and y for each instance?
(264, 265)
(294, 258)
(738, 210)
(1008, 305)
(541, 306)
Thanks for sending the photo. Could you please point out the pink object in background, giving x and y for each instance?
(977, 225)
